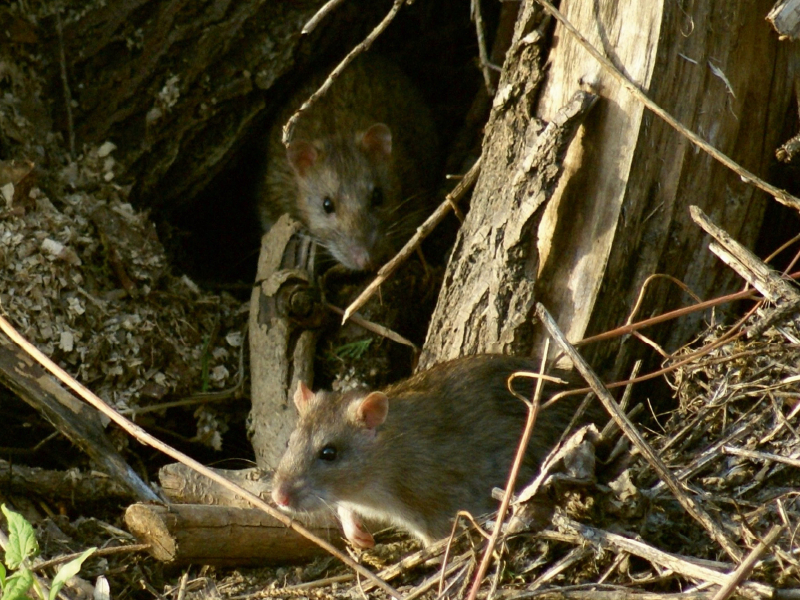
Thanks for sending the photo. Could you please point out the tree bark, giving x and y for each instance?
(177, 85)
(620, 212)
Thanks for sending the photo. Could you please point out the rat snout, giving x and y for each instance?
(292, 494)
(363, 250)
(281, 496)
(361, 258)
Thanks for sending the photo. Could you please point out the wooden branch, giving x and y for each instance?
(281, 350)
(678, 564)
(744, 569)
(750, 268)
(756, 455)
(746, 264)
(785, 18)
(182, 534)
(318, 17)
(288, 128)
(558, 567)
(67, 486)
(692, 507)
(74, 420)
(182, 485)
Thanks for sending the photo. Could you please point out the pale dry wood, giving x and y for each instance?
(780, 195)
(746, 264)
(620, 214)
(750, 268)
(280, 354)
(748, 564)
(200, 534)
(677, 564)
(766, 456)
(320, 15)
(182, 485)
(374, 327)
(785, 18)
(573, 557)
(689, 504)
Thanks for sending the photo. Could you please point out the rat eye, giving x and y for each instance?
(327, 205)
(376, 199)
(328, 453)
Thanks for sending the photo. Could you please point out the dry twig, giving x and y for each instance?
(689, 504)
(748, 563)
(533, 412)
(422, 232)
(323, 12)
(288, 129)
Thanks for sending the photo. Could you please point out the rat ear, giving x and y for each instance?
(377, 140)
(302, 155)
(302, 396)
(373, 409)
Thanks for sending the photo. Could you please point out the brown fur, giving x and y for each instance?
(349, 167)
(449, 437)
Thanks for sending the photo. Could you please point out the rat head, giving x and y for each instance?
(331, 453)
(348, 194)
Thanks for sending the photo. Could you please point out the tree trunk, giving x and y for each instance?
(176, 85)
(620, 212)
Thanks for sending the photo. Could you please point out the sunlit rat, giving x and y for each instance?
(417, 452)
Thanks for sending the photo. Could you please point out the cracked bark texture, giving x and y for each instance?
(176, 84)
(620, 210)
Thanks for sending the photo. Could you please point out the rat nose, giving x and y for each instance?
(361, 258)
(281, 496)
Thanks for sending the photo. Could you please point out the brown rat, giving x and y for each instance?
(362, 165)
(416, 453)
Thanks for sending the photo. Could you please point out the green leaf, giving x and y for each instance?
(2, 577)
(354, 350)
(21, 539)
(17, 585)
(68, 570)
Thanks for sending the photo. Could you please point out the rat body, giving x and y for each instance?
(416, 453)
(361, 168)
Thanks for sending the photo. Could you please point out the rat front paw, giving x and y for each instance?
(354, 529)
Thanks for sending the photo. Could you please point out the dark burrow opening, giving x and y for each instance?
(214, 237)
